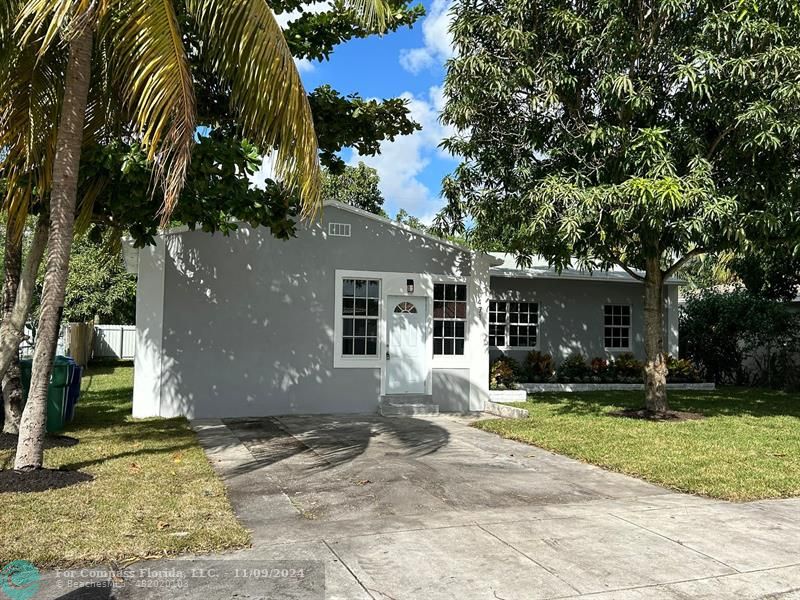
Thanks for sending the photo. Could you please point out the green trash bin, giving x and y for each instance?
(56, 391)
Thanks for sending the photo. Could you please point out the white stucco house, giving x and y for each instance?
(355, 311)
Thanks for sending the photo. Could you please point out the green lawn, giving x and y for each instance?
(154, 492)
(747, 448)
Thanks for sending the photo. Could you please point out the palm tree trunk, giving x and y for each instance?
(655, 366)
(13, 324)
(11, 384)
(63, 197)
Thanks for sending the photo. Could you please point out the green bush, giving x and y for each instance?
(539, 367)
(627, 368)
(739, 337)
(681, 370)
(503, 373)
(574, 369)
(602, 370)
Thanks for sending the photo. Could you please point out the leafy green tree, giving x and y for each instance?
(98, 285)
(410, 220)
(771, 271)
(637, 134)
(137, 53)
(721, 330)
(356, 186)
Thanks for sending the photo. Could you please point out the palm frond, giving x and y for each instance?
(150, 66)
(30, 104)
(47, 21)
(245, 47)
(374, 13)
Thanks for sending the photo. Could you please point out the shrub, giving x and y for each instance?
(681, 370)
(628, 368)
(603, 371)
(503, 373)
(740, 337)
(538, 366)
(573, 369)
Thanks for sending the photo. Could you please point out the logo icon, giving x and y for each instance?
(19, 580)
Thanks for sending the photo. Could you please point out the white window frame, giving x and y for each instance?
(450, 357)
(394, 284)
(339, 229)
(453, 361)
(508, 323)
(629, 326)
(355, 361)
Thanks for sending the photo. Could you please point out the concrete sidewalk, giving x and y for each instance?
(431, 508)
(409, 508)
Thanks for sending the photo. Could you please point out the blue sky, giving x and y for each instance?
(407, 63)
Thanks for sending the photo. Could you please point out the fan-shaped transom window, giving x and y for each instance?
(405, 307)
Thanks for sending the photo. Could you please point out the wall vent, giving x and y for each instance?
(339, 229)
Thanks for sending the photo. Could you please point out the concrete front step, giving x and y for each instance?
(408, 405)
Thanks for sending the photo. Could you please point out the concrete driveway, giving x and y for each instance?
(407, 508)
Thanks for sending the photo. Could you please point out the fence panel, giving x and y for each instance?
(114, 341)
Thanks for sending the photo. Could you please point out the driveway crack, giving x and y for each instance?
(669, 539)
(349, 570)
(534, 561)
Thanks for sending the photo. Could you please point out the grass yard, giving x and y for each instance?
(747, 447)
(153, 494)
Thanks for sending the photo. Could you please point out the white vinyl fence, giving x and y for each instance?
(110, 341)
(114, 341)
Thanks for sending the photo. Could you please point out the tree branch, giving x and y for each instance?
(716, 142)
(627, 269)
(692, 254)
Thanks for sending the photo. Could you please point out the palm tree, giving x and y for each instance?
(142, 81)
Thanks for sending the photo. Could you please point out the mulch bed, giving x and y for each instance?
(8, 441)
(649, 415)
(40, 480)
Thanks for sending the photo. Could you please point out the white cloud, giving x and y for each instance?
(436, 37)
(304, 65)
(402, 161)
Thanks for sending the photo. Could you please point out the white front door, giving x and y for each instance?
(406, 358)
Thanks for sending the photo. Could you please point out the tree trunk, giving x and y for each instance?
(13, 326)
(655, 366)
(63, 197)
(11, 384)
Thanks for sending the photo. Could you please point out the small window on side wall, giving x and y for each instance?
(617, 326)
(449, 318)
(360, 315)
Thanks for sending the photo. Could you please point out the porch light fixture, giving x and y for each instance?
(410, 286)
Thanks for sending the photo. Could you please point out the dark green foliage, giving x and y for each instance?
(539, 367)
(738, 336)
(314, 35)
(771, 271)
(352, 122)
(356, 186)
(98, 285)
(503, 373)
(624, 133)
(574, 369)
(626, 366)
(115, 176)
(681, 370)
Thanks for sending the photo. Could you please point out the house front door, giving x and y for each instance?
(406, 358)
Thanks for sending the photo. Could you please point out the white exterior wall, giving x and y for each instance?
(147, 376)
(247, 325)
(671, 316)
